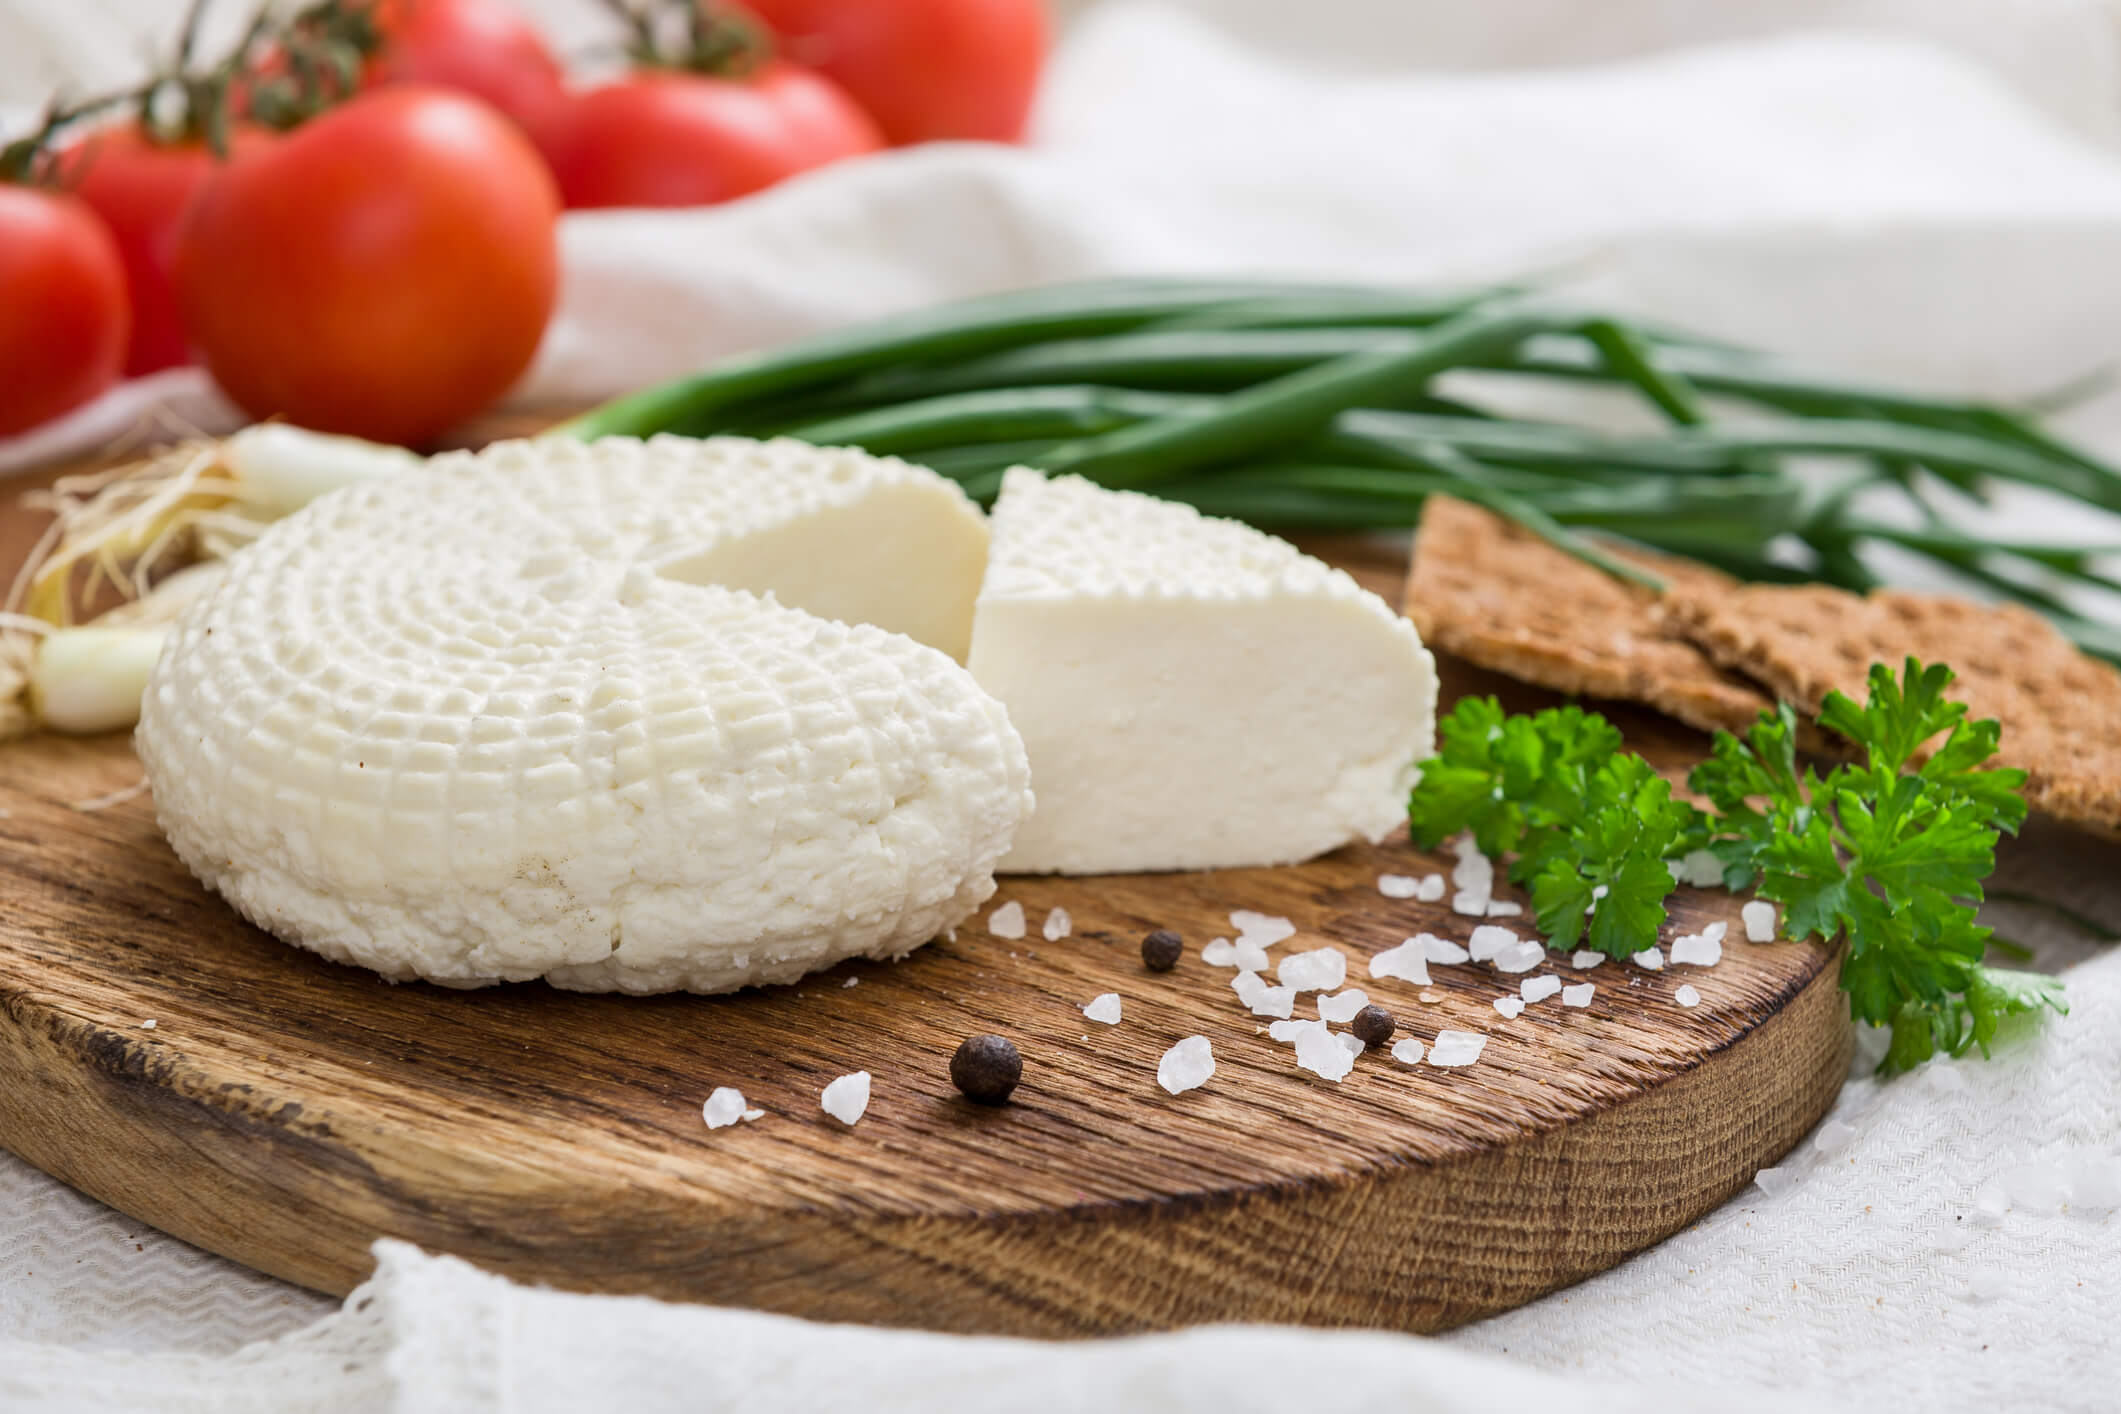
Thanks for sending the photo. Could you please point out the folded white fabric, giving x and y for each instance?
(431, 1335)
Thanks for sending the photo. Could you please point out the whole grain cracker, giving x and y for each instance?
(2058, 708)
(1500, 597)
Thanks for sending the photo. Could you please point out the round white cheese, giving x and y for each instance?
(473, 724)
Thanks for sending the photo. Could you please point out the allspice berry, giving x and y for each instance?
(1161, 950)
(1373, 1026)
(986, 1069)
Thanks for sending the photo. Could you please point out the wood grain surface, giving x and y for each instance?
(285, 1111)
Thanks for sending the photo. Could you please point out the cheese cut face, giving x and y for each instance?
(531, 713)
(1194, 694)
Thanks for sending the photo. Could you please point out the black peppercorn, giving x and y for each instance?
(986, 1069)
(1161, 950)
(1373, 1026)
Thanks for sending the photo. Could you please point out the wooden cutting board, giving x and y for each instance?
(285, 1111)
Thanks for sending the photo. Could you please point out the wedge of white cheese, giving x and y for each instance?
(556, 710)
(1194, 694)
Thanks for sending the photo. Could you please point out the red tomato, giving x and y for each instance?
(142, 188)
(384, 270)
(665, 138)
(63, 318)
(483, 47)
(924, 69)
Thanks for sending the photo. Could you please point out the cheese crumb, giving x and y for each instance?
(1512, 1007)
(1457, 1048)
(1407, 1051)
(1538, 989)
(847, 1098)
(1058, 925)
(1007, 921)
(1585, 959)
(1578, 995)
(1320, 970)
(1759, 916)
(1342, 1006)
(1408, 962)
(1186, 1066)
(1398, 885)
(1686, 996)
(725, 1107)
(1649, 960)
(1104, 1007)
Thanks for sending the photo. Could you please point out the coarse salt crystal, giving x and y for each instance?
(1342, 1006)
(1702, 869)
(1186, 1066)
(1469, 903)
(1512, 1007)
(1007, 921)
(1579, 995)
(1990, 1204)
(1649, 959)
(1320, 1052)
(1686, 996)
(1716, 932)
(1503, 908)
(1833, 1136)
(1432, 888)
(1219, 952)
(1538, 989)
(1440, 950)
(1678, 870)
(1759, 916)
(1261, 999)
(1262, 928)
(1320, 970)
(1407, 1051)
(1251, 957)
(1520, 957)
(1944, 1077)
(1456, 1048)
(1488, 940)
(1287, 1031)
(1408, 962)
(1696, 950)
(1989, 1283)
(1353, 1043)
(724, 1108)
(148, 1025)
(1585, 959)
(852, 982)
(1104, 1007)
(1398, 885)
(847, 1098)
(754, 1114)
(1058, 925)
(1428, 998)
(1775, 1181)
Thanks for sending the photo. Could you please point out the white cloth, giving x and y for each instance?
(1869, 201)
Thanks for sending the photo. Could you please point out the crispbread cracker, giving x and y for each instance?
(1500, 597)
(2059, 708)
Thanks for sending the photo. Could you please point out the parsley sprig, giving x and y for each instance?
(1887, 853)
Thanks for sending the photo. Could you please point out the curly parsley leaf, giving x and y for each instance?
(1890, 854)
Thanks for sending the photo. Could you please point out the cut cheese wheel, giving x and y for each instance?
(1194, 694)
(488, 720)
